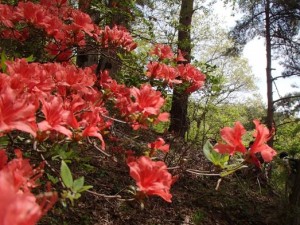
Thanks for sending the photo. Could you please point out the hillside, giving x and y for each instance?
(242, 198)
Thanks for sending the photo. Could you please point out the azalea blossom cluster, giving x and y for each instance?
(51, 99)
(18, 205)
(61, 102)
(69, 103)
(233, 143)
(182, 72)
(117, 36)
(140, 106)
(64, 27)
(158, 144)
(152, 177)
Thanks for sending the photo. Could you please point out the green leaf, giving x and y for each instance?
(66, 174)
(77, 196)
(3, 60)
(53, 179)
(30, 58)
(85, 188)
(4, 140)
(78, 184)
(231, 169)
(216, 158)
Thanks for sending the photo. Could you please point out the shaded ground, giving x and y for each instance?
(238, 200)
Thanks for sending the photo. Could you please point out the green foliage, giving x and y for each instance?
(4, 140)
(53, 179)
(219, 160)
(198, 217)
(132, 72)
(65, 153)
(66, 174)
(74, 187)
(287, 137)
(279, 178)
(207, 117)
(3, 60)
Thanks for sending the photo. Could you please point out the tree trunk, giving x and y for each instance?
(105, 59)
(270, 110)
(108, 59)
(87, 56)
(179, 121)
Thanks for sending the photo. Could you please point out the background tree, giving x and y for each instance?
(229, 78)
(276, 22)
(179, 123)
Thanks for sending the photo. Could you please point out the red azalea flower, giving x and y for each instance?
(152, 178)
(16, 208)
(146, 100)
(31, 12)
(93, 123)
(118, 36)
(233, 139)
(262, 135)
(6, 15)
(180, 57)
(163, 117)
(56, 116)
(192, 75)
(16, 112)
(159, 144)
(163, 51)
(3, 159)
(23, 175)
(162, 71)
(30, 77)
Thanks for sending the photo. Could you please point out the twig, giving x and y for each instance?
(174, 167)
(35, 148)
(258, 184)
(218, 184)
(100, 150)
(117, 120)
(202, 173)
(118, 197)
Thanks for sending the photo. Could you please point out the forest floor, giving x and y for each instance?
(244, 198)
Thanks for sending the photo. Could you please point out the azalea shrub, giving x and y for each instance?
(18, 204)
(256, 152)
(47, 100)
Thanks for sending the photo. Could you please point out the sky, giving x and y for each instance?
(255, 52)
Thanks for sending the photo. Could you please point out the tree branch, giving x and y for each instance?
(285, 98)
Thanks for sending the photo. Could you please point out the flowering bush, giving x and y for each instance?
(233, 138)
(152, 178)
(50, 100)
(180, 73)
(58, 101)
(18, 205)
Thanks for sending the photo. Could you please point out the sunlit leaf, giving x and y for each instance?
(66, 174)
(3, 60)
(78, 184)
(216, 158)
(85, 188)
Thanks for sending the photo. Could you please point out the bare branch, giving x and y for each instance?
(285, 98)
